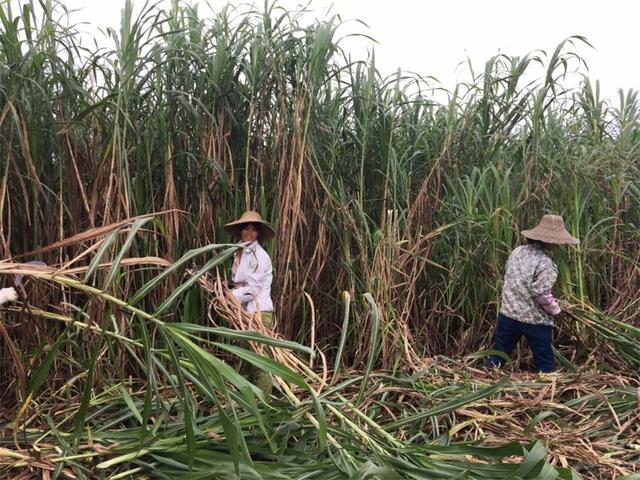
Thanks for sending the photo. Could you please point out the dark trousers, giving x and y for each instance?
(538, 337)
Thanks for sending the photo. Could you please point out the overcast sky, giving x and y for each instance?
(436, 37)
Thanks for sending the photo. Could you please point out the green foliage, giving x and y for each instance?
(120, 161)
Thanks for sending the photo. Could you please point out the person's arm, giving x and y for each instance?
(244, 294)
(548, 303)
(8, 295)
(542, 286)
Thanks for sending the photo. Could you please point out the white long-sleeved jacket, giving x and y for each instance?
(253, 277)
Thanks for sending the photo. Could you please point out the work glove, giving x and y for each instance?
(8, 295)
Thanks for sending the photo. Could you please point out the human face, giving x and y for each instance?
(249, 233)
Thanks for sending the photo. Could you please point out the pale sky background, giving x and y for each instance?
(434, 38)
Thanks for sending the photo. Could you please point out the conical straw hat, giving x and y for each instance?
(266, 231)
(551, 230)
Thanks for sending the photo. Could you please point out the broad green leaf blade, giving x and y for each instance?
(451, 405)
(181, 289)
(115, 264)
(97, 258)
(242, 336)
(176, 268)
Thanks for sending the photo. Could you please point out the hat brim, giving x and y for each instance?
(564, 238)
(266, 231)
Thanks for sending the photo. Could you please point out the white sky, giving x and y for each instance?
(436, 37)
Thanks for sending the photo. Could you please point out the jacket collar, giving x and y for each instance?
(250, 248)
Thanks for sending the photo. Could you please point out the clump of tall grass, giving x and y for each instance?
(373, 189)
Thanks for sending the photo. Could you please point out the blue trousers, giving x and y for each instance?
(538, 337)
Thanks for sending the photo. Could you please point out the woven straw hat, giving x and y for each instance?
(551, 230)
(266, 231)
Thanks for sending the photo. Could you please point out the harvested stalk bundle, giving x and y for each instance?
(619, 339)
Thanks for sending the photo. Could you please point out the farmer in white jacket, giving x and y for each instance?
(252, 275)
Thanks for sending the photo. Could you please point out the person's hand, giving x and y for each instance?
(8, 295)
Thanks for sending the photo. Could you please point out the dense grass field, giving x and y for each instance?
(120, 162)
